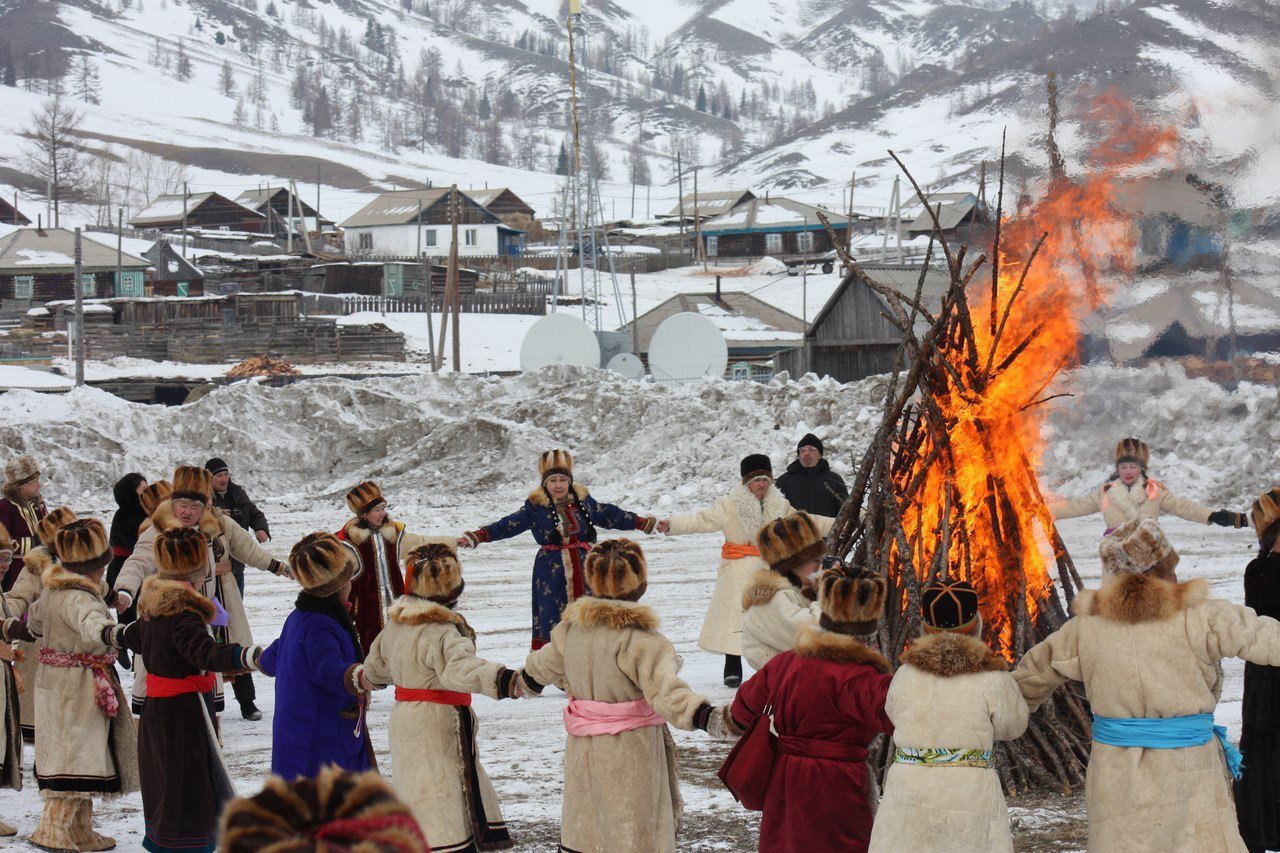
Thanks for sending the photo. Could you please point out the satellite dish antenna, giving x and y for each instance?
(628, 365)
(559, 339)
(687, 347)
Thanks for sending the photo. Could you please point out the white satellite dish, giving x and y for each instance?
(687, 347)
(628, 365)
(559, 339)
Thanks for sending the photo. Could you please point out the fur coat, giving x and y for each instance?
(18, 600)
(774, 610)
(1118, 503)
(435, 767)
(80, 749)
(1258, 792)
(953, 809)
(739, 515)
(827, 696)
(20, 518)
(1146, 647)
(621, 792)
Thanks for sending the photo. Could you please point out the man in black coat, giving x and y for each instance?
(809, 484)
(232, 499)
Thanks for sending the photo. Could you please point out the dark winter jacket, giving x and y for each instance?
(817, 490)
(316, 718)
(1258, 792)
(125, 523)
(244, 512)
(828, 697)
(20, 519)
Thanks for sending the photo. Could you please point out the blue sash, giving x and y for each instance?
(1166, 733)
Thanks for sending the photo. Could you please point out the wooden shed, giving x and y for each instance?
(753, 329)
(208, 211)
(850, 338)
(172, 274)
(274, 203)
(37, 265)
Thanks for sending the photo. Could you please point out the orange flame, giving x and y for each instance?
(994, 424)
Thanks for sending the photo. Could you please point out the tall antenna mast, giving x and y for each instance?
(592, 239)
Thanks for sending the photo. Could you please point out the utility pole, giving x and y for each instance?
(317, 196)
(697, 223)
(635, 316)
(120, 250)
(848, 231)
(302, 216)
(680, 189)
(79, 291)
(452, 299)
(186, 195)
(288, 225)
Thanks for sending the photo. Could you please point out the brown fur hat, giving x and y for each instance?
(6, 542)
(852, 600)
(1133, 450)
(433, 572)
(182, 553)
(1266, 511)
(20, 471)
(82, 546)
(321, 563)
(154, 495)
(788, 543)
(337, 810)
(47, 529)
(554, 462)
(193, 484)
(616, 568)
(1138, 547)
(364, 497)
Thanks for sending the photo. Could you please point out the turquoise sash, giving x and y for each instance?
(1167, 733)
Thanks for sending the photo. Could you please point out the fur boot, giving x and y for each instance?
(56, 830)
(7, 829)
(86, 838)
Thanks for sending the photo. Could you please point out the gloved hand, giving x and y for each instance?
(721, 726)
(1227, 518)
(17, 629)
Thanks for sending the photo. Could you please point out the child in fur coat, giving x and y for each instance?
(620, 769)
(427, 650)
(780, 600)
(942, 792)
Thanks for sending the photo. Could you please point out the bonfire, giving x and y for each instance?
(948, 488)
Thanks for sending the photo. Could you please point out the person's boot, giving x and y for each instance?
(6, 830)
(56, 830)
(86, 839)
(250, 712)
(732, 670)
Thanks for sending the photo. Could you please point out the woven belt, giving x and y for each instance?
(941, 757)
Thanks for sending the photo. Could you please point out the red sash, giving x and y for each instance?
(163, 687)
(440, 697)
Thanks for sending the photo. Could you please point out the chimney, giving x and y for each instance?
(40, 225)
(717, 288)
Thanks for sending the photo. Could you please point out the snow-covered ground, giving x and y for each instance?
(453, 452)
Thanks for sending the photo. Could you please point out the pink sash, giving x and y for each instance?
(585, 718)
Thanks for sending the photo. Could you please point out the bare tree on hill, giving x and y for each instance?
(54, 153)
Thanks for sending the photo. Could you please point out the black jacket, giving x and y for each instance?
(243, 511)
(1258, 791)
(817, 490)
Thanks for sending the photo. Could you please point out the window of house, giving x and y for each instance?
(713, 246)
(773, 243)
(471, 237)
(364, 240)
(88, 284)
(804, 241)
(24, 286)
(429, 237)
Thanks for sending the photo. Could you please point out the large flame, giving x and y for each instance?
(990, 407)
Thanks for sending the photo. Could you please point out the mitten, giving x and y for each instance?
(1227, 518)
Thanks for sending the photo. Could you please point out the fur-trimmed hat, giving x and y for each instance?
(554, 462)
(810, 440)
(6, 543)
(1133, 450)
(788, 543)
(755, 465)
(193, 484)
(1138, 547)
(617, 569)
(364, 498)
(433, 572)
(20, 471)
(852, 600)
(1266, 511)
(83, 546)
(321, 563)
(154, 495)
(182, 553)
(336, 810)
(949, 606)
(47, 529)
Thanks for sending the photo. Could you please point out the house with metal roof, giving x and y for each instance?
(753, 329)
(957, 214)
(776, 227)
(411, 223)
(38, 265)
(208, 211)
(275, 204)
(501, 202)
(707, 205)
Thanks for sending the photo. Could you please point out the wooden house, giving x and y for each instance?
(501, 202)
(777, 227)
(407, 223)
(38, 265)
(208, 211)
(706, 205)
(959, 214)
(753, 329)
(378, 278)
(274, 203)
(851, 338)
(10, 215)
(172, 274)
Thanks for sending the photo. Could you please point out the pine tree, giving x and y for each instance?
(183, 65)
(484, 112)
(562, 160)
(321, 114)
(227, 79)
(701, 104)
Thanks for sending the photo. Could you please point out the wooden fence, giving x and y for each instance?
(479, 302)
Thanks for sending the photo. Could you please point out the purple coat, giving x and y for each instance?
(316, 719)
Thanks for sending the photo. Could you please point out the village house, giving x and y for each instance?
(706, 205)
(959, 214)
(172, 274)
(777, 227)
(275, 203)
(410, 223)
(501, 202)
(207, 211)
(37, 265)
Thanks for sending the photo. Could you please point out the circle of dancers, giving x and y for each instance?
(380, 607)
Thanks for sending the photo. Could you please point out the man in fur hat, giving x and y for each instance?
(1130, 493)
(781, 599)
(1148, 650)
(809, 484)
(827, 696)
(21, 508)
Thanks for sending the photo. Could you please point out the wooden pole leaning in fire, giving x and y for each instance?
(947, 487)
